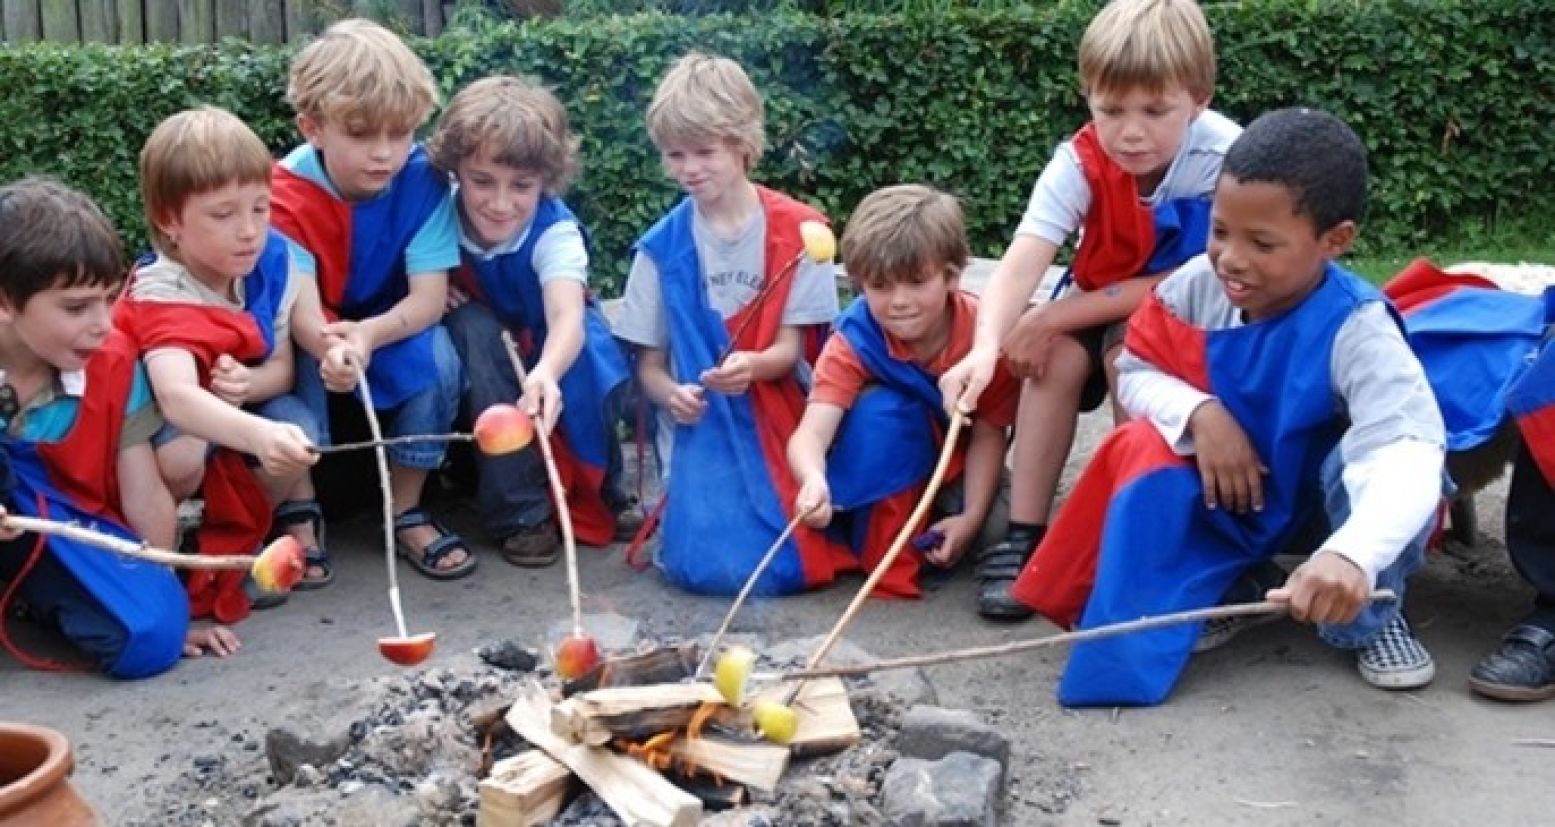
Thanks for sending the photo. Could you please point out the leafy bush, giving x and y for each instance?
(1453, 97)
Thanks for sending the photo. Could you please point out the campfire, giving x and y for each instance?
(654, 747)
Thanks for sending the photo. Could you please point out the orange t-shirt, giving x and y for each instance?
(840, 377)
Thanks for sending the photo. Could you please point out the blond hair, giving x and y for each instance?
(360, 75)
(708, 98)
(195, 151)
(1150, 45)
(897, 233)
(518, 122)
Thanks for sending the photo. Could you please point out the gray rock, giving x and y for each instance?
(934, 732)
(907, 686)
(959, 790)
(508, 654)
(286, 751)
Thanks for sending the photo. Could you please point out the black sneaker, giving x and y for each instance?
(1523, 669)
(998, 566)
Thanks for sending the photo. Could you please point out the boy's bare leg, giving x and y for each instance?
(1110, 364)
(182, 463)
(405, 486)
(1044, 433)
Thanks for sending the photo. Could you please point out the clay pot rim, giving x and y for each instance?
(56, 766)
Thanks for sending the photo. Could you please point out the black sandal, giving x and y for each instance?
(998, 566)
(1523, 669)
(426, 560)
(297, 512)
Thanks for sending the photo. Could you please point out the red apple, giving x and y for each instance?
(503, 429)
(407, 651)
(280, 565)
(575, 656)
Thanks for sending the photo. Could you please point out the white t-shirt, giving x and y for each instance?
(1061, 198)
(559, 252)
(1395, 442)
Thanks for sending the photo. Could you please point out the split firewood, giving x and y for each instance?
(632, 712)
(826, 720)
(714, 796)
(664, 664)
(637, 794)
(756, 763)
(529, 788)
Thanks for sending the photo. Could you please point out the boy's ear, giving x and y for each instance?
(952, 275)
(309, 127)
(1337, 239)
(8, 311)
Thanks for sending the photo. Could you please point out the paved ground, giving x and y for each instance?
(1275, 729)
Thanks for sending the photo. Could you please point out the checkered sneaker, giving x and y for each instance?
(1218, 631)
(1395, 659)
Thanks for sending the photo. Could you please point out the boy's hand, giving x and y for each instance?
(542, 399)
(1228, 465)
(959, 532)
(457, 298)
(282, 449)
(1326, 589)
(218, 640)
(686, 404)
(230, 380)
(7, 533)
(354, 335)
(960, 386)
(814, 501)
(733, 376)
(339, 370)
(1029, 344)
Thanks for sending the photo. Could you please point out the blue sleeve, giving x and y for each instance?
(302, 260)
(140, 391)
(436, 245)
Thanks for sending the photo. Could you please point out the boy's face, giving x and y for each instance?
(912, 308)
(707, 170)
(63, 326)
(221, 232)
(496, 200)
(360, 162)
(1268, 257)
(1142, 130)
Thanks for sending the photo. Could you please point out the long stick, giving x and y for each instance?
(1266, 607)
(957, 419)
(755, 305)
(745, 590)
(130, 548)
(559, 493)
(393, 440)
(388, 500)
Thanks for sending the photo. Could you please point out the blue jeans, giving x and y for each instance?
(431, 411)
(513, 492)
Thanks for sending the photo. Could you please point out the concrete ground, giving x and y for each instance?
(1274, 729)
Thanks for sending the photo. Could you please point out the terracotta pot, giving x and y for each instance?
(35, 767)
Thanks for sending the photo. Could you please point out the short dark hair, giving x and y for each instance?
(53, 236)
(1309, 152)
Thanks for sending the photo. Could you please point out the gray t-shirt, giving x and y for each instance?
(732, 270)
(165, 280)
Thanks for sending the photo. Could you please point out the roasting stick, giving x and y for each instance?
(750, 583)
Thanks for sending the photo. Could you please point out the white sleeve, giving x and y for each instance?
(1394, 447)
(560, 254)
(642, 320)
(1168, 402)
(1059, 200)
(813, 297)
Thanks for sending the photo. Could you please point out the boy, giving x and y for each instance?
(216, 295)
(1271, 385)
(506, 143)
(82, 457)
(1137, 181)
(720, 257)
(371, 217)
(874, 404)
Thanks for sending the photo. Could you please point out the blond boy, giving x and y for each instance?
(1137, 180)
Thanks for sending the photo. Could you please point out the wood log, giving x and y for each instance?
(826, 721)
(633, 712)
(715, 796)
(529, 788)
(666, 664)
(634, 791)
(756, 763)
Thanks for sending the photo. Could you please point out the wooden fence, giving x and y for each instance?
(202, 21)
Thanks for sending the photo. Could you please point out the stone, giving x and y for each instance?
(508, 654)
(959, 790)
(286, 751)
(906, 686)
(934, 732)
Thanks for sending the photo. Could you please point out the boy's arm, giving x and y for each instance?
(684, 402)
(277, 375)
(421, 308)
(564, 305)
(280, 447)
(1147, 392)
(743, 367)
(807, 459)
(980, 480)
(148, 505)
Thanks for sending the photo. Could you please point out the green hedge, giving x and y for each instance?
(1455, 98)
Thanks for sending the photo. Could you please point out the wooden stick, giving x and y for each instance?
(957, 420)
(1266, 607)
(755, 305)
(559, 493)
(388, 499)
(745, 590)
(130, 548)
(393, 440)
